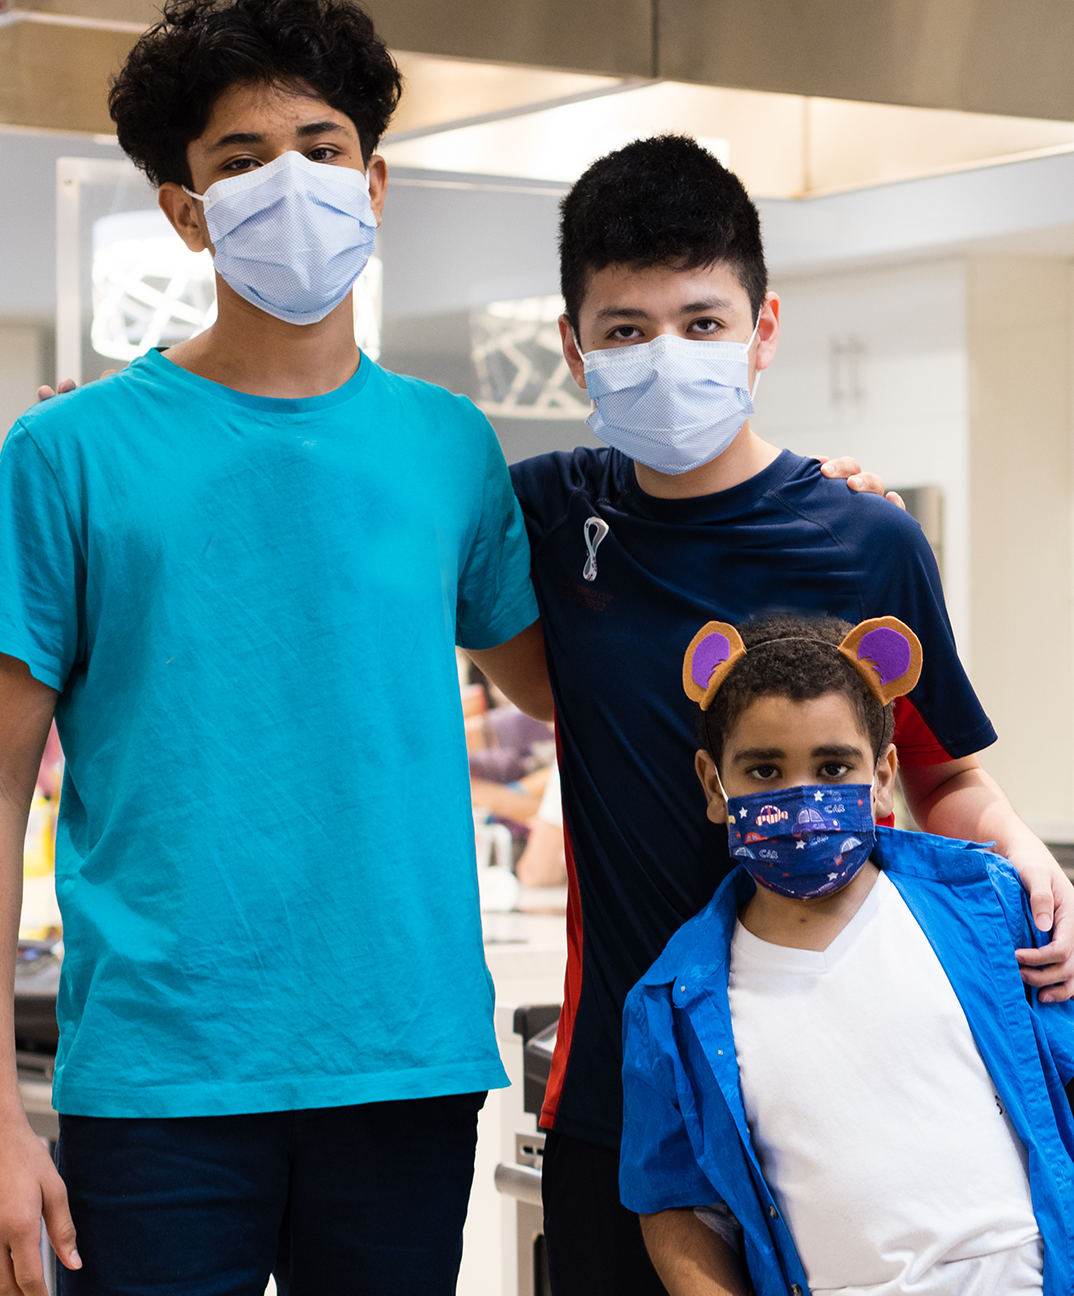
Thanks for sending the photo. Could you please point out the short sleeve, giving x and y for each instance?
(495, 596)
(942, 719)
(657, 1167)
(42, 567)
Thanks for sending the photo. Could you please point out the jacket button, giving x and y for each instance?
(773, 1212)
(795, 1290)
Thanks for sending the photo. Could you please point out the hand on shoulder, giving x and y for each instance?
(849, 470)
(68, 385)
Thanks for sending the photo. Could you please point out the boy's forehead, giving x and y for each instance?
(772, 720)
(249, 108)
(623, 288)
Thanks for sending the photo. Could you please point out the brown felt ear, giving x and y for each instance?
(712, 652)
(887, 655)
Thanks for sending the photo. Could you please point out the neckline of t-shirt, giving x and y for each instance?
(266, 404)
(787, 959)
(696, 507)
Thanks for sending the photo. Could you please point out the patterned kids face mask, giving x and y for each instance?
(803, 842)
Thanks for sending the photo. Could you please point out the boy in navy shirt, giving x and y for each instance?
(668, 322)
(832, 1073)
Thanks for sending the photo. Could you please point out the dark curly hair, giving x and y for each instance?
(162, 98)
(658, 200)
(792, 664)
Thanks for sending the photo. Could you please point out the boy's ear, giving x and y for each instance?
(182, 211)
(884, 783)
(887, 655)
(706, 772)
(571, 353)
(711, 654)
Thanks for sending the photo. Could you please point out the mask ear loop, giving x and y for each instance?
(756, 372)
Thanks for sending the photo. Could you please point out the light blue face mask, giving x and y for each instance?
(291, 237)
(671, 403)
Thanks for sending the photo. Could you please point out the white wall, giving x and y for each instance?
(873, 364)
(20, 370)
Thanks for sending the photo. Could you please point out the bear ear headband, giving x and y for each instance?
(885, 653)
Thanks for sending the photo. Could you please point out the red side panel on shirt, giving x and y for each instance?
(914, 740)
(572, 986)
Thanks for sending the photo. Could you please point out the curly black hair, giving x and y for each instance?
(164, 95)
(659, 200)
(792, 664)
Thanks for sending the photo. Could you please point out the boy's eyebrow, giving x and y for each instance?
(253, 137)
(636, 312)
(759, 753)
(831, 751)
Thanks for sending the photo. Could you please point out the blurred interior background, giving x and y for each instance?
(913, 161)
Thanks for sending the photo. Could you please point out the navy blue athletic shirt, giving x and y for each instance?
(642, 858)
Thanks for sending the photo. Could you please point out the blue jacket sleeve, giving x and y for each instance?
(1054, 1020)
(657, 1166)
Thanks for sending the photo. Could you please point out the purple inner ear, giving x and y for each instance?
(710, 652)
(888, 651)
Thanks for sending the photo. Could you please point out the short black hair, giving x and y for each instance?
(656, 201)
(163, 96)
(793, 664)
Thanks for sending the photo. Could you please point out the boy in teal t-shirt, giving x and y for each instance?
(230, 570)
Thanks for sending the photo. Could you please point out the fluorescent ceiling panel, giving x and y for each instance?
(437, 90)
(781, 146)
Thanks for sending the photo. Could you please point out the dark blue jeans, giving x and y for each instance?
(368, 1200)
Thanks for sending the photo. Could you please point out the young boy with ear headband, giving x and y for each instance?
(834, 1080)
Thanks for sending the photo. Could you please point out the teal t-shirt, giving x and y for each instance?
(265, 857)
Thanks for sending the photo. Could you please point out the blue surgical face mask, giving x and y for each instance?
(672, 404)
(803, 842)
(291, 237)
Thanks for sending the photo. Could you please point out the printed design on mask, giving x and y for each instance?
(813, 839)
(594, 530)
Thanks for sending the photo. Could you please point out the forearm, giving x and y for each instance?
(968, 803)
(26, 708)
(11, 843)
(961, 800)
(690, 1258)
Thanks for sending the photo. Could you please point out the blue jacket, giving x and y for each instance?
(685, 1140)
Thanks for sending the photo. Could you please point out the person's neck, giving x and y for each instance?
(745, 457)
(807, 924)
(251, 351)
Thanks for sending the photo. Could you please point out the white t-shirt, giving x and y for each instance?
(876, 1123)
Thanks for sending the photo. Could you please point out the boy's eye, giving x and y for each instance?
(322, 153)
(624, 333)
(708, 326)
(834, 769)
(765, 773)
